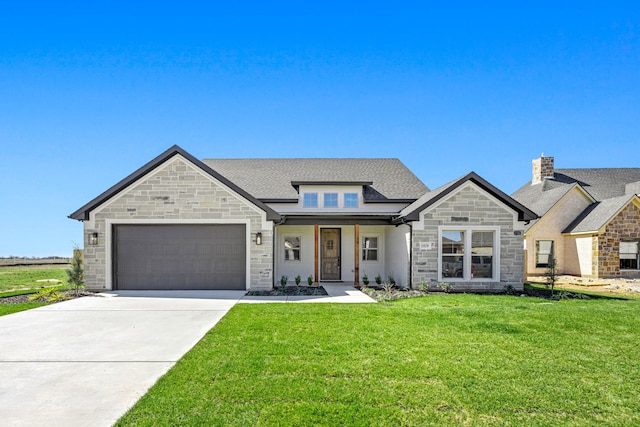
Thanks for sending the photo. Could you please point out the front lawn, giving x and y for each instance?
(26, 277)
(436, 360)
(14, 308)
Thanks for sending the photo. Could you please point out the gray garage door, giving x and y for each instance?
(193, 256)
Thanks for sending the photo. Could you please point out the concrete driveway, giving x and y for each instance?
(84, 362)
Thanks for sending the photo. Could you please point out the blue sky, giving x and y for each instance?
(89, 93)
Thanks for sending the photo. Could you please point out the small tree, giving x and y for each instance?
(75, 273)
(283, 281)
(551, 274)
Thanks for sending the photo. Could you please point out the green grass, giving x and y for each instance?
(437, 360)
(26, 277)
(14, 308)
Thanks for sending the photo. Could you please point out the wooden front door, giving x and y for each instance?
(330, 254)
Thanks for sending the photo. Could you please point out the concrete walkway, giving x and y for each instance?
(86, 361)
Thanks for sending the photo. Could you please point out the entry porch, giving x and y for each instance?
(342, 253)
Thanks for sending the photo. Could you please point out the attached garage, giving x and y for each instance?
(179, 256)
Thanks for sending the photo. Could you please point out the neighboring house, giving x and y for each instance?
(181, 223)
(589, 220)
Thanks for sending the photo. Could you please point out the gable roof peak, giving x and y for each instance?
(83, 213)
(412, 212)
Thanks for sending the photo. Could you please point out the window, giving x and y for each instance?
(482, 254)
(310, 200)
(629, 254)
(292, 248)
(452, 253)
(350, 200)
(544, 253)
(370, 249)
(330, 200)
(468, 254)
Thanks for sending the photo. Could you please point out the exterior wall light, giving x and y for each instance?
(93, 239)
(258, 238)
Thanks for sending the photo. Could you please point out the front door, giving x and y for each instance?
(330, 241)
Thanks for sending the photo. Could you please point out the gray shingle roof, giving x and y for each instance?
(597, 215)
(608, 186)
(270, 179)
(601, 183)
(541, 197)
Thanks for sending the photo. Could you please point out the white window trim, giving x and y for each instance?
(637, 254)
(284, 238)
(466, 266)
(344, 201)
(309, 206)
(552, 254)
(379, 248)
(324, 200)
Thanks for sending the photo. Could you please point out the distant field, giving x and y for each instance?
(26, 277)
(33, 261)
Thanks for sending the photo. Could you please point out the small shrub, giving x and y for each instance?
(365, 280)
(423, 286)
(310, 280)
(75, 273)
(510, 290)
(48, 295)
(283, 281)
(297, 279)
(445, 287)
(552, 275)
(387, 287)
(391, 280)
(378, 279)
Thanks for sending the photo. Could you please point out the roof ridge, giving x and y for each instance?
(302, 158)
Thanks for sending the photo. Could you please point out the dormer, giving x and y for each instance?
(330, 195)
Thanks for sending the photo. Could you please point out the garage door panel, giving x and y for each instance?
(180, 256)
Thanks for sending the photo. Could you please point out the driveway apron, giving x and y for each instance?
(86, 361)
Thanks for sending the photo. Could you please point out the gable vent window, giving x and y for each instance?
(350, 200)
(629, 254)
(310, 200)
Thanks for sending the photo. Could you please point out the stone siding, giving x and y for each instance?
(606, 248)
(481, 210)
(177, 191)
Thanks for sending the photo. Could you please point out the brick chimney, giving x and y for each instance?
(542, 169)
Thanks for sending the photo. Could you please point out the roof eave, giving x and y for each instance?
(524, 213)
(83, 213)
(343, 183)
(409, 201)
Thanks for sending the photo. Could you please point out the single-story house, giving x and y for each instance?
(182, 223)
(589, 220)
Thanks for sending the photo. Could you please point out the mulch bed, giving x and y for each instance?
(67, 295)
(290, 291)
